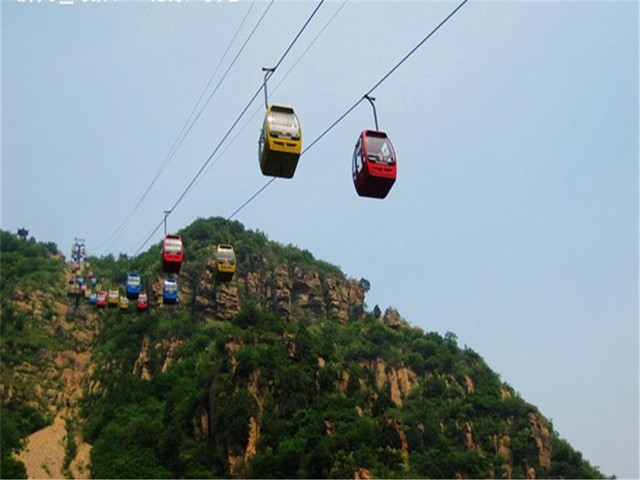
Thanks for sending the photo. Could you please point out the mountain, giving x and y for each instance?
(282, 372)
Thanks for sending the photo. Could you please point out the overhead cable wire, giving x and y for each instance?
(244, 110)
(274, 89)
(385, 77)
(260, 190)
(233, 62)
(186, 128)
(353, 107)
(298, 36)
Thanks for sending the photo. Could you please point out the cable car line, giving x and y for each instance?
(149, 237)
(358, 102)
(275, 88)
(234, 123)
(229, 67)
(186, 190)
(297, 36)
(255, 95)
(385, 77)
(252, 197)
(186, 128)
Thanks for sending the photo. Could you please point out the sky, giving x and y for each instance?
(513, 222)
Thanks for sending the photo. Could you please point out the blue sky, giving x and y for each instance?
(514, 219)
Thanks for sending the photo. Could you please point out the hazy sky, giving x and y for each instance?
(514, 219)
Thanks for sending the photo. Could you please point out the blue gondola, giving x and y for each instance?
(170, 291)
(93, 298)
(133, 285)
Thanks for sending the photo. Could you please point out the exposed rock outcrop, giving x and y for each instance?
(362, 474)
(290, 292)
(399, 380)
(156, 357)
(503, 448)
(393, 319)
(542, 436)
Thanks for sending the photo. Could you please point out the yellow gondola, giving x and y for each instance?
(124, 303)
(280, 142)
(225, 263)
(114, 297)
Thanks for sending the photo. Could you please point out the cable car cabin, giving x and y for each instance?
(172, 253)
(374, 164)
(225, 263)
(114, 297)
(124, 303)
(280, 142)
(133, 285)
(101, 301)
(169, 291)
(143, 302)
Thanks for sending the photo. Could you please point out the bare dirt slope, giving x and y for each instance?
(45, 452)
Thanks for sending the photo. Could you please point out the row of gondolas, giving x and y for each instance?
(172, 258)
(280, 145)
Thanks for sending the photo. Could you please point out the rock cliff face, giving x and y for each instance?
(542, 435)
(289, 291)
(398, 382)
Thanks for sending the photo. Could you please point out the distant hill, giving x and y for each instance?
(281, 373)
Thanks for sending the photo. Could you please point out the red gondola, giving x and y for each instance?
(172, 253)
(142, 303)
(374, 164)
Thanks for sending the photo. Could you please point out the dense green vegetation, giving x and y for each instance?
(28, 265)
(318, 419)
(25, 266)
(315, 394)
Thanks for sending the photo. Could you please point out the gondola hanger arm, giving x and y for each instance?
(375, 115)
(268, 72)
(166, 214)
